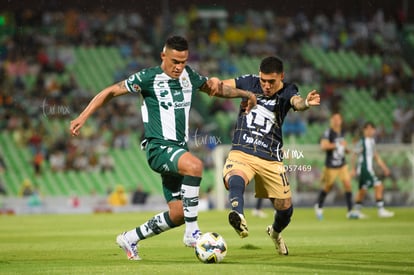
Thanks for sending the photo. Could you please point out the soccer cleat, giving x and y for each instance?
(318, 212)
(130, 249)
(360, 214)
(190, 240)
(277, 239)
(383, 213)
(353, 215)
(238, 222)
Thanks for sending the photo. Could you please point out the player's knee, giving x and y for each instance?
(347, 186)
(195, 167)
(281, 204)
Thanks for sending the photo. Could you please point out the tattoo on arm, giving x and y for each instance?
(227, 91)
(230, 92)
(299, 104)
(121, 85)
(206, 89)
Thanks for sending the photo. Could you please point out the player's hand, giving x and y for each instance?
(75, 126)
(313, 98)
(251, 102)
(215, 85)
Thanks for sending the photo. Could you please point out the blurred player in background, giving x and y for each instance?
(258, 209)
(367, 154)
(167, 91)
(257, 147)
(334, 144)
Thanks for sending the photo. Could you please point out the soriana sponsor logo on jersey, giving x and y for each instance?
(183, 104)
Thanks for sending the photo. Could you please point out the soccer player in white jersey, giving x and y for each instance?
(367, 154)
(257, 147)
(167, 91)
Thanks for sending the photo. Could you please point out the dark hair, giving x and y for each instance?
(369, 124)
(271, 64)
(177, 43)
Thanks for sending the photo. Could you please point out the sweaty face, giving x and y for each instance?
(173, 62)
(271, 83)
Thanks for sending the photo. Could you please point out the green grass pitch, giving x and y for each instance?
(85, 244)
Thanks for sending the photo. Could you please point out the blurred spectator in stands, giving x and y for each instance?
(57, 161)
(26, 189)
(106, 162)
(293, 125)
(93, 164)
(16, 68)
(219, 104)
(2, 188)
(74, 200)
(317, 116)
(2, 164)
(408, 134)
(31, 192)
(139, 196)
(118, 197)
(121, 139)
(81, 162)
(402, 115)
(34, 199)
(37, 162)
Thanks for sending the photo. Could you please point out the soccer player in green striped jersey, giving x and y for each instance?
(167, 91)
(367, 154)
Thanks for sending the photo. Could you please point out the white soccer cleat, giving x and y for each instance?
(318, 212)
(238, 222)
(191, 240)
(353, 215)
(277, 239)
(383, 213)
(361, 215)
(130, 249)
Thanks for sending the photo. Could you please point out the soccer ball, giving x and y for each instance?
(210, 248)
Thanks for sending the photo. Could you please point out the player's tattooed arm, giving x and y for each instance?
(300, 104)
(215, 87)
(232, 92)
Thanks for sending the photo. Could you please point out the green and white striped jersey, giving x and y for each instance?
(366, 150)
(167, 101)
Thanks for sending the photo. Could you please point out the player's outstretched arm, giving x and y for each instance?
(382, 164)
(215, 87)
(98, 101)
(312, 99)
